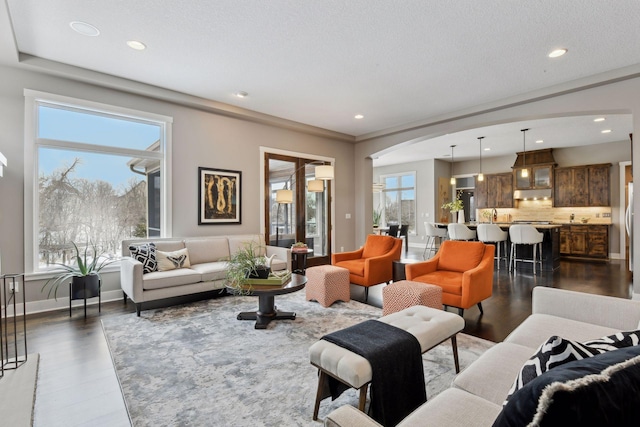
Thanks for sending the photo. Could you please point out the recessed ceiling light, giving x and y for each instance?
(606, 131)
(540, 141)
(241, 94)
(487, 149)
(359, 116)
(557, 53)
(84, 28)
(599, 119)
(134, 44)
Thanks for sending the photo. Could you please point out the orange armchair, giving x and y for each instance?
(464, 271)
(373, 263)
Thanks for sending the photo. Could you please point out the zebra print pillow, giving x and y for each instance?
(146, 254)
(557, 351)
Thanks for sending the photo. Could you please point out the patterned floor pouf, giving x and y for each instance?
(328, 284)
(405, 293)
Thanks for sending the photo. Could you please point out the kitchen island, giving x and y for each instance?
(550, 243)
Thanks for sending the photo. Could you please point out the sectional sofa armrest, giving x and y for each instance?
(349, 416)
(280, 253)
(131, 278)
(612, 312)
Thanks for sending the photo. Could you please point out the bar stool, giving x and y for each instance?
(432, 232)
(460, 232)
(492, 233)
(403, 233)
(525, 235)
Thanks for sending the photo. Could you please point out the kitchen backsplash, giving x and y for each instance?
(542, 210)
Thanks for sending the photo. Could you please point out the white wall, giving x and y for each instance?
(200, 138)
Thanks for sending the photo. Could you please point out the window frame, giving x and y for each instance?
(399, 190)
(33, 99)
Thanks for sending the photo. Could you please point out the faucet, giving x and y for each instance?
(494, 215)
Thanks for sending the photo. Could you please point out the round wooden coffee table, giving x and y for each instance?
(267, 311)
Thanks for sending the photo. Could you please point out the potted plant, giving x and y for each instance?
(377, 216)
(455, 206)
(84, 274)
(245, 264)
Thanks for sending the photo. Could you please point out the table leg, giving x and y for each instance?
(266, 312)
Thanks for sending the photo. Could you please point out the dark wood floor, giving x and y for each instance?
(77, 385)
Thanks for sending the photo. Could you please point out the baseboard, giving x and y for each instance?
(52, 304)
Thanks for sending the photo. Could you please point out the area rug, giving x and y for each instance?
(196, 364)
(18, 393)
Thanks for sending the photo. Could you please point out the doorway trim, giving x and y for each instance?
(623, 231)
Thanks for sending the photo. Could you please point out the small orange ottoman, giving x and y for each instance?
(328, 284)
(405, 293)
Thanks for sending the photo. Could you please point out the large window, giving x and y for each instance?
(99, 176)
(399, 199)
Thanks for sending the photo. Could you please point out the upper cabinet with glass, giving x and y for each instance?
(539, 165)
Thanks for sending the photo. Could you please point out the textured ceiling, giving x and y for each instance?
(322, 62)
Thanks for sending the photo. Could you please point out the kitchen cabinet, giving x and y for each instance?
(496, 191)
(540, 176)
(585, 241)
(582, 186)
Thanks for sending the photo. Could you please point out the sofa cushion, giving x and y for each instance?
(169, 245)
(236, 242)
(167, 279)
(172, 260)
(461, 256)
(207, 250)
(491, 376)
(377, 246)
(538, 327)
(211, 270)
(557, 351)
(453, 407)
(600, 390)
(146, 254)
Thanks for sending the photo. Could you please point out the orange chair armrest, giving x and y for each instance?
(344, 256)
(421, 268)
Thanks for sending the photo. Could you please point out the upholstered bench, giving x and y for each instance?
(327, 284)
(404, 294)
(429, 325)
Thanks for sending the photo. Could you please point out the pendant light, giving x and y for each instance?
(525, 172)
(453, 178)
(480, 175)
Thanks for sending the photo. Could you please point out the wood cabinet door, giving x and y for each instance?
(578, 243)
(481, 193)
(563, 187)
(504, 198)
(599, 185)
(598, 241)
(565, 241)
(580, 187)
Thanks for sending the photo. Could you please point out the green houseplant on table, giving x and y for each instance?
(246, 263)
(84, 273)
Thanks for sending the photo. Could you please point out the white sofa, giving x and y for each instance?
(477, 393)
(208, 256)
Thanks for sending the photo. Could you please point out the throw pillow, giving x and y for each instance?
(558, 351)
(603, 390)
(172, 260)
(146, 254)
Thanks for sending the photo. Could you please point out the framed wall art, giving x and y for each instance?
(219, 196)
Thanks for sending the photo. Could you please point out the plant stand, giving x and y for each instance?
(83, 296)
(9, 325)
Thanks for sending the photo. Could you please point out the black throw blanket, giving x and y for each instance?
(397, 384)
